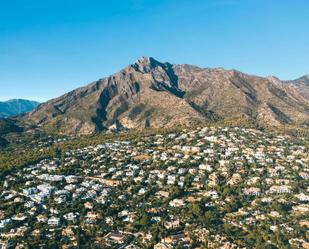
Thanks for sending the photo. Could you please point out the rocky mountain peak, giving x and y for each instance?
(146, 64)
(144, 60)
(274, 79)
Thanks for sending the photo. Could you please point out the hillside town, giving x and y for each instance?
(209, 187)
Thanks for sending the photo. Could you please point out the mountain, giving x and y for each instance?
(149, 93)
(301, 85)
(15, 107)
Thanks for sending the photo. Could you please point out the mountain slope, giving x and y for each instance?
(301, 85)
(8, 125)
(151, 93)
(15, 107)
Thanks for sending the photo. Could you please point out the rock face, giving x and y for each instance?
(149, 93)
(16, 106)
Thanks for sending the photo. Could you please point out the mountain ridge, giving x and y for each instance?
(301, 85)
(149, 93)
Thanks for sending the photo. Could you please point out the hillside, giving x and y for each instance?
(301, 85)
(7, 126)
(149, 93)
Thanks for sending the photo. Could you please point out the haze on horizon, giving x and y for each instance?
(48, 48)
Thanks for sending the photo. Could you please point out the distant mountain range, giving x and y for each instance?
(15, 107)
(149, 93)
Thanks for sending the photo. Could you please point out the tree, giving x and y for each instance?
(144, 221)
(195, 209)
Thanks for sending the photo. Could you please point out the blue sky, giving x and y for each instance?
(53, 46)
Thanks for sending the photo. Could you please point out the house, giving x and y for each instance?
(88, 205)
(116, 237)
(299, 243)
(29, 204)
(131, 246)
(36, 232)
(252, 191)
(302, 197)
(142, 191)
(109, 182)
(91, 217)
(5, 222)
(177, 203)
(109, 220)
(174, 223)
(176, 238)
(6, 244)
(53, 221)
(46, 188)
(71, 179)
(253, 180)
(68, 231)
(161, 193)
(205, 167)
(41, 218)
(60, 199)
(30, 191)
(19, 217)
(280, 189)
(302, 208)
(162, 245)
(71, 216)
(275, 214)
(234, 179)
(304, 175)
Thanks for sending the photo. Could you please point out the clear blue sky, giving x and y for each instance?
(50, 47)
